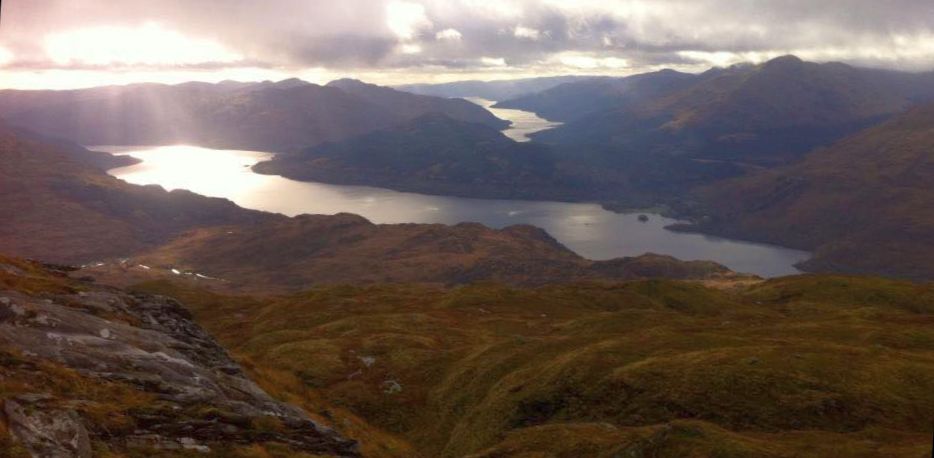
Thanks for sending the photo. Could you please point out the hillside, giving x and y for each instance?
(291, 254)
(58, 205)
(288, 115)
(95, 371)
(805, 366)
(864, 204)
(490, 90)
(763, 115)
(432, 154)
(572, 100)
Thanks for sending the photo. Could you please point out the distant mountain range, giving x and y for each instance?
(764, 114)
(287, 115)
(491, 90)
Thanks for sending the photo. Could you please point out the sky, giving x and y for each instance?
(81, 43)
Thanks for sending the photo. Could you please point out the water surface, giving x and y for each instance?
(587, 229)
(524, 123)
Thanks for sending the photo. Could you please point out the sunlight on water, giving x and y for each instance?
(587, 229)
(524, 123)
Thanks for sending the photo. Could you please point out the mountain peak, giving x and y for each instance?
(348, 83)
(785, 61)
(290, 83)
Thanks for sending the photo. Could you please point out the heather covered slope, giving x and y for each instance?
(293, 253)
(284, 116)
(807, 366)
(864, 204)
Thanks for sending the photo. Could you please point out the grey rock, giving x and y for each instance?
(47, 432)
(151, 343)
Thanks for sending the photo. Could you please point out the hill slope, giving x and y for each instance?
(800, 366)
(433, 154)
(285, 116)
(865, 204)
(573, 100)
(490, 90)
(94, 371)
(290, 254)
(58, 205)
(763, 114)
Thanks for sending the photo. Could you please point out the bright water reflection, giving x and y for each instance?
(523, 122)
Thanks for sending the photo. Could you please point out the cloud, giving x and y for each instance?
(431, 37)
(150, 44)
(405, 19)
(449, 35)
(526, 32)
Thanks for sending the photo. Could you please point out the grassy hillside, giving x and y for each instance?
(798, 366)
(865, 204)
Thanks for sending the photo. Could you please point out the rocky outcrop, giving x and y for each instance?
(200, 398)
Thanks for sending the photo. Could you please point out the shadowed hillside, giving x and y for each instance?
(284, 116)
(433, 154)
(58, 205)
(761, 114)
(490, 90)
(864, 204)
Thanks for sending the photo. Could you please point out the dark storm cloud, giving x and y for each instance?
(459, 34)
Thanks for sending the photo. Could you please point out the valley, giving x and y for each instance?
(586, 229)
(459, 229)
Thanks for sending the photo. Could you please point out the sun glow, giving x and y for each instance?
(5, 56)
(149, 44)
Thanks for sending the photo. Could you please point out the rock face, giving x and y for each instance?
(199, 397)
(47, 432)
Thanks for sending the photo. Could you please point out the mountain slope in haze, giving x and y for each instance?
(764, 114)
(95, 371)
(572, 100)
(283, 116)
(409, 106)
(433, 154)
(864, 204)
(804, 366)
(490, 90)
